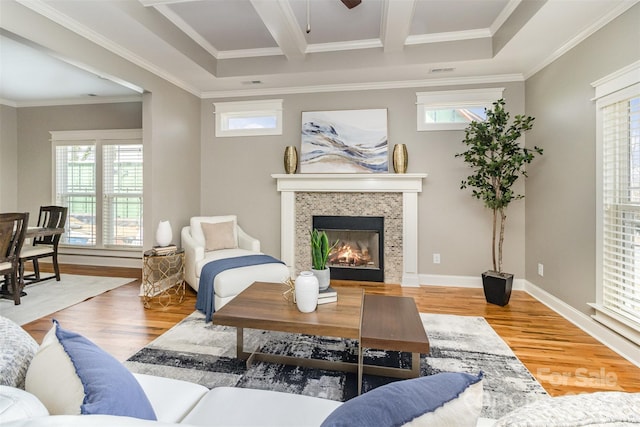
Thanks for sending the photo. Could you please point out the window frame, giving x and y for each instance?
(452, 99)
(610, 90)
(98, 139)
(247, 109)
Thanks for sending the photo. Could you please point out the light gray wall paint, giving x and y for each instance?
(34, 147)
(561, 210)
(171, 119)
(8, 159)
(236, 179)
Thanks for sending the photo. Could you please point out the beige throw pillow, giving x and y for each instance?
(219, 235)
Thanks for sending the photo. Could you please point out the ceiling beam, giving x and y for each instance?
(280, 20)
(396, 24)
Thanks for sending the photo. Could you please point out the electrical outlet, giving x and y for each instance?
(436, 258)
(540, 269)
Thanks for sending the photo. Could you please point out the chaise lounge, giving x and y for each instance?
(214, 238)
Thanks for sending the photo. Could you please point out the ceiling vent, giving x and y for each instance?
(441, 70)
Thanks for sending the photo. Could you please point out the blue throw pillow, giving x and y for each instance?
(436, 400)
(71, 375)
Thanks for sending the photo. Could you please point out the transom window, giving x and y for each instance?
(248, 118)
(98, 176)
(453, 109)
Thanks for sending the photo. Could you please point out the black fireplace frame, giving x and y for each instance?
(358, 223)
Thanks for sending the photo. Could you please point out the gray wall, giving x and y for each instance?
(236, 179)
(170, 119)
(561, 203)
(34, 147)
(8, 159)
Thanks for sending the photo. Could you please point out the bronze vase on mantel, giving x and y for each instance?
(400, 158)
(290, 159)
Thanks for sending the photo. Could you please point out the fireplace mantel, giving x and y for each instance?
(407, 184)
(351, 182)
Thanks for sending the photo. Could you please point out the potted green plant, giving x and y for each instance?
(320, 249)
(497, 161)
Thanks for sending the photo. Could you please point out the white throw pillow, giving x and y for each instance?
(50, 368)
(219, 235)
(196, 228)
(71, 375)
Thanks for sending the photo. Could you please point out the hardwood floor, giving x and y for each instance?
(563, 358)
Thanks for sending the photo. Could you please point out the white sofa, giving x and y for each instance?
(68, 376)
(178, 402)
(231, 282)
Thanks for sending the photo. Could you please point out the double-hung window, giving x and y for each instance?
(98, 176)
(618, 217)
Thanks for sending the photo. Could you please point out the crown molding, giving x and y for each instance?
(503, 16)
(8, 103)
(454, 81)
(583, 35)
(176, 20)
(448, 37)
(54, 15)
(76, 101)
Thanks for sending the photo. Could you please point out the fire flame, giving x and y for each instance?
(349, 255)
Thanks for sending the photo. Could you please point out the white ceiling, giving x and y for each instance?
(215, 48)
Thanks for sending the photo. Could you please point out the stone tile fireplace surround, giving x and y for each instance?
(392, 196)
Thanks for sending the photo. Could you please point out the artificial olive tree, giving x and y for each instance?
(497, 160)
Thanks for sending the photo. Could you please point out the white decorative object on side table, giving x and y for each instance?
(306, 291)
(164, 234)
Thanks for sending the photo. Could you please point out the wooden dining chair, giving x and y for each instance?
(13, 227)
(44, 246)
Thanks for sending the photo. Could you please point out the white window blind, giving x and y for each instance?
(621, 208)
(75, 188)
(99, 177)
(617, 303)
(122, 193)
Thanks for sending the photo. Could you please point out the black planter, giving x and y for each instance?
(497, 287)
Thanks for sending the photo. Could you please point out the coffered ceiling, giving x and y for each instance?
(215, 48)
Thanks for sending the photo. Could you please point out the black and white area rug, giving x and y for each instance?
(205, 353)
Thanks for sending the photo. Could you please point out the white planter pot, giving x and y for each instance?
(323, 276)
(164, 234)
(306, 292)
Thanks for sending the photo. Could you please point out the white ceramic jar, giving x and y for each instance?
(306, 288)
(164, 234)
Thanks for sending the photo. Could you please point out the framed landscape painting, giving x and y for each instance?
(344, 141)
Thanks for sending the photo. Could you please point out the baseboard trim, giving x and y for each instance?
(100, 261)
(410, 280)
(615, 342)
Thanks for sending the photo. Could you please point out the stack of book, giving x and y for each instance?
(164, 250)
(328, 295)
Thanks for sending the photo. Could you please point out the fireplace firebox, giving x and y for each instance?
(359, 254)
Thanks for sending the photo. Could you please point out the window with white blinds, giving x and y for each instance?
(618, 299)
(122, 193)
(99, 177)
(621, 207)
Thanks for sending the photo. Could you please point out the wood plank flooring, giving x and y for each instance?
(563, 358)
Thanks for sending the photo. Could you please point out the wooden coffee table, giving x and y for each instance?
(367, 319)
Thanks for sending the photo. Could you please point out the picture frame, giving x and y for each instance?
(344, 141)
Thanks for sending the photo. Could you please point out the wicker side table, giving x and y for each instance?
(163, 278)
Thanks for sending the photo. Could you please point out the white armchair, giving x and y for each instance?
(228, 242)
